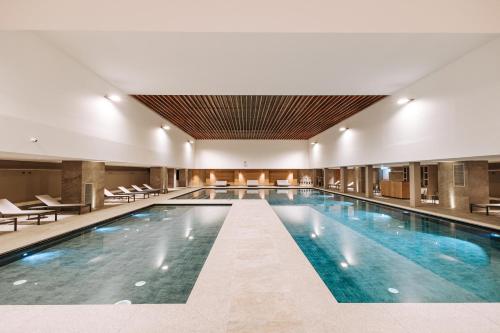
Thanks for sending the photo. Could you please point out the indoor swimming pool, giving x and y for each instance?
(367, 252)
(150, 256)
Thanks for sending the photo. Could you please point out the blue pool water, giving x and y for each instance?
(372, 253)
(151, 256)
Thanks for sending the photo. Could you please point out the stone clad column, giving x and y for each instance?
(369, 181)
(83, 182)
(158, 177)
(343, 179)
(415, 184)
(171, 178)
(468, 183)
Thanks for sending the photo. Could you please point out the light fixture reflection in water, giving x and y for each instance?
(140, 283)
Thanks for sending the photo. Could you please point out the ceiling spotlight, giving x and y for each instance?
(343, 129)
(404, 100)
(34, 139)
(113, 98)
(190, 141)
(314, 142)
(165, 127)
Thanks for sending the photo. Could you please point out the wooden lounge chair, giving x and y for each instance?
(252, 183)
(8, 220)
(488, 207)
(8, 209)
(220, 183)
(149, 187)
(282, 182)
(127, 191)
(152, 191)
(110, 195)
(52, 203)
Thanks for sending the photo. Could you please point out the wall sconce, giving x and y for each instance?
(165, 127)
(113, 98)
(404, 100)
(343, 129)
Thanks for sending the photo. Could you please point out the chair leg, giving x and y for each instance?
(38, 219)
(15, 224)
(55, 214)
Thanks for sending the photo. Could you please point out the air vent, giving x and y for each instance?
(458, 174)
(89, 194)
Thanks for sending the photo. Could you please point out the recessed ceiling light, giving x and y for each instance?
(404, 100)
(314, 142)
(190, 141)
(343, 129)
(113, 98)
(165, 127)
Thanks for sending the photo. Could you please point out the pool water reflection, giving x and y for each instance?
(152, 256)
(366, 252)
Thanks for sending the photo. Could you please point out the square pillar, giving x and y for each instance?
(83, 182)
(158, 177)
(359, 184)
(369, 181)
(343, 179)
(415, 184)
(171, 178)
(463, 183)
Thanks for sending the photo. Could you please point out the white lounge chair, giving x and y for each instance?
(8, 209)
(110, 195)
(252, 183)
(164, 190)
(127, 191)
(152, 191)
(220, 183)
(52, 203)
(282, 182)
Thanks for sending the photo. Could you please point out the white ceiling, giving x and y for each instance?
(262, 63)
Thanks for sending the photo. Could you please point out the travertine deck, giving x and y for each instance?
(255, 279)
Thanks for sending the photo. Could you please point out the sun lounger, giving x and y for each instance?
(110, 195)
(282, 182)
(164, 190)
(488, 207)
(152, 191)
(127, 191)
(220, 183)
(52, 203)
(8, 209)
(8, 220)
(252, 183)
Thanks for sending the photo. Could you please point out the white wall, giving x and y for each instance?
(46, 94)
(259, 154)
(455, 114)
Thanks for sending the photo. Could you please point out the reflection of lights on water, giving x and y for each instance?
(393, 290)
(126, 229)
(41, 257)
(123, 302)
(107, 229)
(19, 282)
(190, 237)
(494, 235)
(344, 264)
(313, 235)
(164, 267)
(166, 219)
(140, 283)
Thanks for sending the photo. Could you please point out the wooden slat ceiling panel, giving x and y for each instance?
(272, 117)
